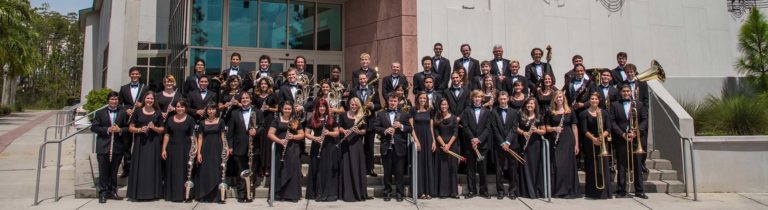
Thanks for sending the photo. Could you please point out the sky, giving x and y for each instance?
(64, 6)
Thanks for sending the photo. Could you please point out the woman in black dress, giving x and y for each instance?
(266, 100)
(446, 166)
(489, 92)
(562, 126)
(227, 99)
(144, 179)
(176, 143)
(210, 143)
(353, 177)
(168, 97)
(518, 97)
(287, 132)
(323, 183)
(530, 131)
(598, 179)
(545, 92)
(421, 119)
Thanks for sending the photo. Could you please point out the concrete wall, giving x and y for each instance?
(384, 29)
(731, 163)
(688, 37)
(90, 46)
(153, 21)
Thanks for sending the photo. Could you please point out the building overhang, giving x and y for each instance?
(83, 13)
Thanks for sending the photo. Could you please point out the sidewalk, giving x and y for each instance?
(17, 169)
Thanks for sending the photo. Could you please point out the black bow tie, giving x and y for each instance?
(625, 101)
(246, 109)
(427, 72)
(395, 76)
(497, 60)
(264, 71)
(363, 89)
(631, 82)
(203, 91)
(235, 68)
(134, 85)
(391, 110)
(436, 58)
(464, 59)
(430, 91)
(503, 109)
(477, 107)
(292, 85)
(603, 87)
(112, 111)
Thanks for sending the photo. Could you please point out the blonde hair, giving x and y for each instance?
(171, 78)
(359, 115)
(477, 93)
(514, 61)
(553, 104)
(365, 55)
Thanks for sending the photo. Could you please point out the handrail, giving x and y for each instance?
(271, 199)
(547, 165)
(62, 116)
(58, 141)
(683, 139)
(414, 172)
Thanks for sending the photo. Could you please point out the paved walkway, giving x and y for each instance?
(17, 169)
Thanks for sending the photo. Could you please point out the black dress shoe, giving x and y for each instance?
(102, 198)
(469, 195)
(241, 200)
(621, 194)
(114, 196)
(499, 196)
(399, 198)
(373, 174)
(387, 197)
(485, 195)
(512, 196)
(645, 170)
(641, 195)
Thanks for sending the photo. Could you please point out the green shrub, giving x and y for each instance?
(96, 99)
(5, 110)
(17, 107)
(731, 115)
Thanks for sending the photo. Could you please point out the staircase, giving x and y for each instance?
(661, 179)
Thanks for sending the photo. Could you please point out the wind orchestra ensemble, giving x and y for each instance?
(470, 117)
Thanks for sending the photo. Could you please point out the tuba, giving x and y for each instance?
(655, 72)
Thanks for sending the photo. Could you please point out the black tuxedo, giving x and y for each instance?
(197, 102)
(369, 136)
(418, 81)
(393, 148)
(238, 139)
(387, 87)
(504, 133)
(572, 74)
(616, 75)
(533, 76)
(285, 93)
(619, 125)
(245, 83)
(613, 95)
(480, 128)
(190, 84)
(473, 67)
(580, 95)
(108, 169)
(457, 103)
(436, 97)
(443, 69)
(127, 99)
(370, 73)
(499, 70)
(640, 92)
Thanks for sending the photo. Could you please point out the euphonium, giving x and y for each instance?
(655, 72)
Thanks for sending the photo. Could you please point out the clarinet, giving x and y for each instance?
(224, 157)
(322, 137)
(188, 185)
(532, 124)
(557, 135)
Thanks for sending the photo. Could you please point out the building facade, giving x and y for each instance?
(694, 40)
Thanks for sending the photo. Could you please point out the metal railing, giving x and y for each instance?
(272, 174)
(41, 156)
(547, 164)
(63, 116)
(414, 171)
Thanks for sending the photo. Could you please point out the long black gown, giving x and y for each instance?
(177, 152)
(565, 181)
(209, 171)
(164, 101)
(446, 166)
(516, 104)
(264, 147)
(544, 101)
(287, 169)
(426, 177)
(323, 183)
(145, 176)
(352, 181)
(592, 164)
(532, 173)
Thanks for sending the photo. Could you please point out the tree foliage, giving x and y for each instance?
(753, 45)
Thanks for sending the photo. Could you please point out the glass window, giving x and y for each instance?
(142, 61)
(276, 67)
(212, 60)
(324, 71)
(242, 23)
(157, 61)
(206, 23)
(156, 76)
(272, 23)
(329, 27)
(302, 30)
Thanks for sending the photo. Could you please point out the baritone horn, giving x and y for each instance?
(655, 72)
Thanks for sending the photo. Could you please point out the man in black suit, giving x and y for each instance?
(391, 82)
(190, 84)
(300, 62)
(505, 142)
(290, 90)
(198, 99)
(418, 78)
(618, 73)
(536, 70)
(109, 125)
(471, 65)
(457, 95)
(576, 60)
(365, 62)
(442, 67)
(639, 88)
(478, 131)
(513, 76)
(131, 96)
(393, 128)
(499, 63)
(370, 99)
(604, 88)
(243, 126)
(234, 69)
(264, 71)
(485, 70)
(624, 139)
(432, 94)
(576, 90)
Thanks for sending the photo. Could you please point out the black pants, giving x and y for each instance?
(623, 167)
(108, 173)
(506, 168)
(128, 142)
(241, 164)
(368, 150)
(393, 165)
(474, 166)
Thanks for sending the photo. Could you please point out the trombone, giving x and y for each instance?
(600, 183)
(635, 128)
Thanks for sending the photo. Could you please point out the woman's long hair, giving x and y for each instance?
(154, 104)
(419, 105)
(553, 104)
(316, 116)
(439, 114)
(258, 87)
(359, 115)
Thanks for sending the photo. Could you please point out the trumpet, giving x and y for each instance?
(600, 184)
(247, 173)
(188, 185)
(224, 158)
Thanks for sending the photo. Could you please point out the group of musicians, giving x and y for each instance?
(218, 132)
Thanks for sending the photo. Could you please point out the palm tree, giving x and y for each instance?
(753, 45)
(18, 47)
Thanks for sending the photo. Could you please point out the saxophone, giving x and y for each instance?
(188, 185)
(373, 92)
(224, 157)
